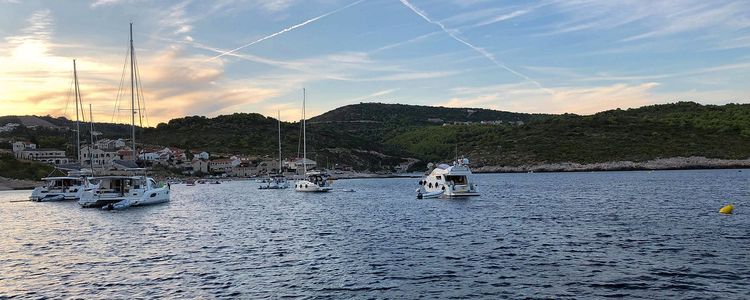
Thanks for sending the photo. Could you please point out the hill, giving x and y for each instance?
(658, 131)
(402, 114)
(375, 136)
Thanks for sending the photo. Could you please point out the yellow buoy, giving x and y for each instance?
(727, 209)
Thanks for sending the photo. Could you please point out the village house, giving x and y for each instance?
(26, 150)
(295, 165)
(110, 144)
(199, 165)
(244, 169)
(220, 165)
(201, 155)
(98, 157)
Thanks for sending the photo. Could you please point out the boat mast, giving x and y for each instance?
(78, 122)
(304, 135)
(91, 134)
(278, 118)
(132, 91)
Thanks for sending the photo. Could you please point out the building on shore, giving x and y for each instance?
(100, 158)
(29, 151)
(296, 164)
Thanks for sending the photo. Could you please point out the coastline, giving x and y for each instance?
(672, 163)
(9, 184)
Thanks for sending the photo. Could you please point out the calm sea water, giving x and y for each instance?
(560, 235)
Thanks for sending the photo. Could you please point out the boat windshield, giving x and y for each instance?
(318, 180)
(456, 179)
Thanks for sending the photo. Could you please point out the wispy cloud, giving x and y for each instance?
(481, 51)
(287, 29)
(177, 19)
(571, 99)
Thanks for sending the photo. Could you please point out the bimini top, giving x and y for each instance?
(458, 168)
(119, 177)
(61, 178)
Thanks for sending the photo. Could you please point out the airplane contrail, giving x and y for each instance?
(287, 29)
(481, 51)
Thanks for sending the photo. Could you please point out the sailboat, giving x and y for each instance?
(316, 181)
(119, 192)
(277, 181)
(65, 187)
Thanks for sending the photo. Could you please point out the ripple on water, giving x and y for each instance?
(564, 236)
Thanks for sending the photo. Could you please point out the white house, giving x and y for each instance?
(203, 155)
(98, 157)
(220, 165)
(45, 155)
(199, 165)
(20, 146)
(296, 164)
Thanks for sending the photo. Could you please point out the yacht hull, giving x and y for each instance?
(310, 187)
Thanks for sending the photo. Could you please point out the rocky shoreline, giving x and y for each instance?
(7, 184)
(673, 163)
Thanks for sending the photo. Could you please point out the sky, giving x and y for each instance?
(225, 56)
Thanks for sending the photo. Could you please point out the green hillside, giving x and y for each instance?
(658, 131)
(374, 136)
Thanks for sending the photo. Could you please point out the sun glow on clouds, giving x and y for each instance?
(37, 80)
(634, 52)
(579, 100)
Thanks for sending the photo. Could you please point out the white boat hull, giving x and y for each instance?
(308, 186)
(154, 196)
(41, 194)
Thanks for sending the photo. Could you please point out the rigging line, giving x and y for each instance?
(137, 89)
(67, 99)
(299, 141)
(140, 91)
(80, 101)
(119, 87)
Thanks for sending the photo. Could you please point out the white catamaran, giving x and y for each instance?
(72, 186)
(317, 181)
(118, 192)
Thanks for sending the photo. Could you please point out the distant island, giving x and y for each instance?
(392, 138)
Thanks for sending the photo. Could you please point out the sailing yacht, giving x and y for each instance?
(119, 192)
(316, 181)
(278, 181)
(72, 186)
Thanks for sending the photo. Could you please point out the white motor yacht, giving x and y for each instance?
(118, 192)
(448, 181)
(316, 182)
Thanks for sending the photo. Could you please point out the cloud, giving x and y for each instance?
(571, 99)
(177, 19)
(638, 20)
(175, 82)
(481, 51)
(276, 5)
(285, 30)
